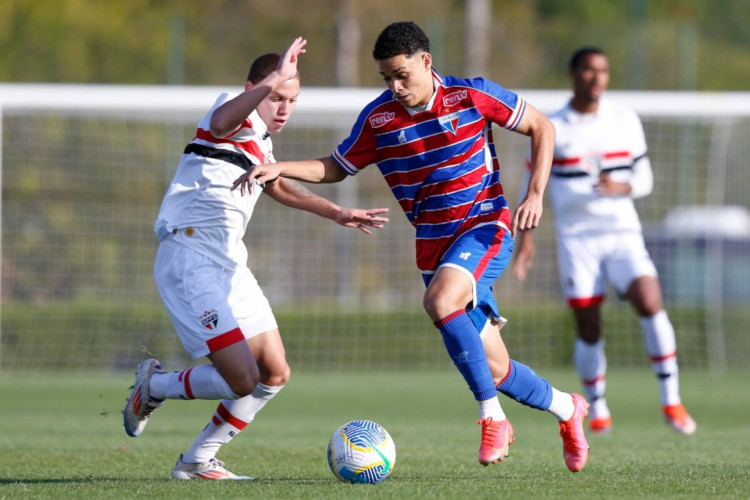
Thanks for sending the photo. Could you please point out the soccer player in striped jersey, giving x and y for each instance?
(600, 166)
(431, 138)
(215, 303)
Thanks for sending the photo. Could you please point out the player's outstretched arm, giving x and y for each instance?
(542, 134)
(228, 117)
(293, 194)
(322, 170)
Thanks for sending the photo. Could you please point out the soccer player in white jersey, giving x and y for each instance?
(201, 270)
(600, 166)
(431, 138)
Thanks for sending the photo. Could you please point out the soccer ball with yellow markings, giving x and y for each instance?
(361, 451)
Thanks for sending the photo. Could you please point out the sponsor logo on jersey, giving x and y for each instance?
(449, 122)
(379, 119)
(210, 319)
(464, 255)
(454, 97)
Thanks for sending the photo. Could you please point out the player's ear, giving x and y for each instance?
(427, 61)
(248, 85)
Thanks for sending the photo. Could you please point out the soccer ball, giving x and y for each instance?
(361, 451)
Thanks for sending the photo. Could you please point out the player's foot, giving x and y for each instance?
(600, 425)
(497, 436)
(140, 404)
(678, 417)
(213, 470)
(575, 447)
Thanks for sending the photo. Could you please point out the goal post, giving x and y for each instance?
(84, 168)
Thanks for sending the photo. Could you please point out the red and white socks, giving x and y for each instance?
(230, 418)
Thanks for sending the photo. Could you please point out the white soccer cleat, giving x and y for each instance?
(211, 470)
(140, 404)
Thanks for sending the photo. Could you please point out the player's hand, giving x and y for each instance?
(287, 66)
(524, 260)
(258, 173)
(527, 215)
(362, 219)
(609, 187)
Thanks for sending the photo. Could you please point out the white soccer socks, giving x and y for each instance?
(661, 346)
(230, 418)
(199, 382)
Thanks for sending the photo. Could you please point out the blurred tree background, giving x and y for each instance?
(653, 44)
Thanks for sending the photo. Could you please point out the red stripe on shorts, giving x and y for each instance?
(585, 302)
(497, 243)
(229, 418)
(225, 340)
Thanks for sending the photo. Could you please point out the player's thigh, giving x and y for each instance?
(237, 366)
(627, 260)
(580, 269)
(481, 255)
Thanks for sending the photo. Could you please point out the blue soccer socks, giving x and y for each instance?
(465, 348)
(525, 386)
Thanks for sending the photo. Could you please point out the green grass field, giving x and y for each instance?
(62, 437)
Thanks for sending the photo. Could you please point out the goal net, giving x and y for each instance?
(84, 169)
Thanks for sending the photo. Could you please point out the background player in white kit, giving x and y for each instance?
(599, 167)
(201, 270)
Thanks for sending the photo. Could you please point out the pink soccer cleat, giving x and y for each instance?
(497, 436)
(575, 446)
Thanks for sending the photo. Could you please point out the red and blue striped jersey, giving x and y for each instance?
(440, 163)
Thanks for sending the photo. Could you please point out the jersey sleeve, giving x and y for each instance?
(498, 104)
(642, 177)
(359, 149)
(638, 146)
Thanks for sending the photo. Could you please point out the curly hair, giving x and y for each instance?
(402, 38)
(580, 54)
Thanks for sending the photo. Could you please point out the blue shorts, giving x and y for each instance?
(483, 254)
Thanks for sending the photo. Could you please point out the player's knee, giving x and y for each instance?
(438, 306)
(243, 386)
(279, 376)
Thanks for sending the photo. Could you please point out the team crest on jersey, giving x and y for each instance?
(379, 119)
(402, 137)
(449, 122)
(592, 164)
(210, 319)
(455, 97)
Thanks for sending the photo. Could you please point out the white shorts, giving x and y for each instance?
(211, 306)
(586, 262)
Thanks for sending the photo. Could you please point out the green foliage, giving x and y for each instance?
(64, 439)
(130, 42)
(89, 334)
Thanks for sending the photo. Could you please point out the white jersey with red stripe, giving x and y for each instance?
(609, 140)
(199, 210)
